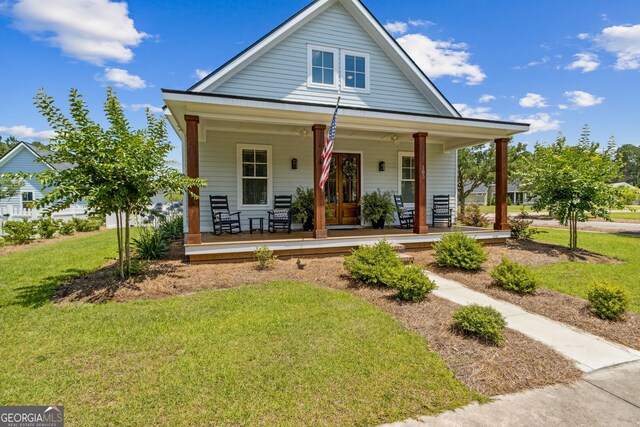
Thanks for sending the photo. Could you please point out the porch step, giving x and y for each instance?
(397, 247)
(405, 258)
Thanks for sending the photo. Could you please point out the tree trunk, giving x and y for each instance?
(127, 239)
(119, 232)
(573, 230)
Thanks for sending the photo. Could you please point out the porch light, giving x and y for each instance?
(294, 164)
(381, 166)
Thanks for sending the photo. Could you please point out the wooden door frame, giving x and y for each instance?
(361, 153)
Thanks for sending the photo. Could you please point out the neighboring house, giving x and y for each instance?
(484, 195)
(256, 126)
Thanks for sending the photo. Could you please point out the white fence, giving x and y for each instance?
(13, 213)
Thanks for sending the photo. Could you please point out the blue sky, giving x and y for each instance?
(555, 64)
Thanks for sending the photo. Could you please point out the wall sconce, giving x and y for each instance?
(294, 163)
(381, 166)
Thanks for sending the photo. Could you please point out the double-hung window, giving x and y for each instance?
(254, 176)
(355, 75)
(27, 200)
(406, 176)
(322, 67)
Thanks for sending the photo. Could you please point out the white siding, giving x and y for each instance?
(281, 73)
(218, 167)
(23, 161)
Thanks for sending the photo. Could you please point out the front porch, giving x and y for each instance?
(239, 247)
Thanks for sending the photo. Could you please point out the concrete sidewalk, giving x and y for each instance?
(588, 351)
(608, 397)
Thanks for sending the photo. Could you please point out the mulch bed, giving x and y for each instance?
(521, 364)
(546, 302)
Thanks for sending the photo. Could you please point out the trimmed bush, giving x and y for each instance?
(472, 217)
(608, 302)
(484, 322)
(266, 258)
(47, 227)
(521, 227)
(19, 232)
(83, 225)
(460, 251)
(151, 243)
(412, 284)
(67, 228)
(515, 277)
(376, 264)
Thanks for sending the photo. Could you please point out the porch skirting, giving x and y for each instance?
(230, 248)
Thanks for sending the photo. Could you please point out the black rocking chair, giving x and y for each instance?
(441, 211)
(405, 214)
(223, 220)
(280, 216)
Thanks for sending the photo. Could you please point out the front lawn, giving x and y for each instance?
(279, 353)
(510, 209)
(574, 278)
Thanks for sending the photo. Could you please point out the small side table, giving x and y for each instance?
(258, 227)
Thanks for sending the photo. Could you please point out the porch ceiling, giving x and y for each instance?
(227, 113)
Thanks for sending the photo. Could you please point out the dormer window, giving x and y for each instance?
(356, 71)
(323, 67)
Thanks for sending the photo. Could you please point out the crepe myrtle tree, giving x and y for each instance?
(116, 170)
(572, 181)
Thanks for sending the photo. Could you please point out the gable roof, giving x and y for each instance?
(369, 23)
(37, 152)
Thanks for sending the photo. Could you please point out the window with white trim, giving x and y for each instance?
(27, 199)
(322, 63)
(254, 176)
(406, 176)
(355, 73)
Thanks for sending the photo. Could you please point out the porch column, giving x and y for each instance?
(502, 146)
(193, 171)
(319, 227)
(420, 173)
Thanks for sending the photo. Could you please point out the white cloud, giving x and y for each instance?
(121, 78)
(542, 61)
(25, 132)
(397, 27)
(583, 36)
(585, 61)
(441, 58)
(533, 100)
(201, 74)
(420, 23)
(540, 122)
(476, 112)
(624, 42)
(143, 107)
(486, 98)
(94, 31)
(563, 106)
(582, 99)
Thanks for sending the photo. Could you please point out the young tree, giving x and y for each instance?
(9, 186)
(630, 156)
(116, 170)
(573, 181)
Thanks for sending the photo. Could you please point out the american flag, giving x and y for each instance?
(327, 151)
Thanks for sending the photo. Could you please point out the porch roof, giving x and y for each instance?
(280, 116)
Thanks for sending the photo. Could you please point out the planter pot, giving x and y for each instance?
(308, 225)
(378, 225)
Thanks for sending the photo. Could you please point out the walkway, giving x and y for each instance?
(608, 397)
(588, 351)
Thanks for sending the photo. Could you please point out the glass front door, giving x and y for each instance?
(342, 194)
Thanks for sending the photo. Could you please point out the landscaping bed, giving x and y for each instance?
(521, 364)
(552, 304)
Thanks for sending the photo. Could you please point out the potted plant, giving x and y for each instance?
(302, 207)
(378, 207)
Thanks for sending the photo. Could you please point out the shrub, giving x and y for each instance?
(67, 228)
(376, 264)
(266, 258)
(19, 232)
(151, 243)
(608, 302)
(515, 277)
(47, 227)
(459, 251)
(412, 284)
(484, 322)
(172, 227)
(378, 205)
(472, 217)
(521, 227)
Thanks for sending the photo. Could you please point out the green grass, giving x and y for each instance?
(625, 215)
(574, 278)
(510, 208)
(280, 353)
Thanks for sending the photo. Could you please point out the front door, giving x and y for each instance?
(342, 194)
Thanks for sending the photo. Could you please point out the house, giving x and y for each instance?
(256, 127)
(484, 195)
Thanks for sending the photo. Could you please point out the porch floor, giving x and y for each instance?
(237, 247)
